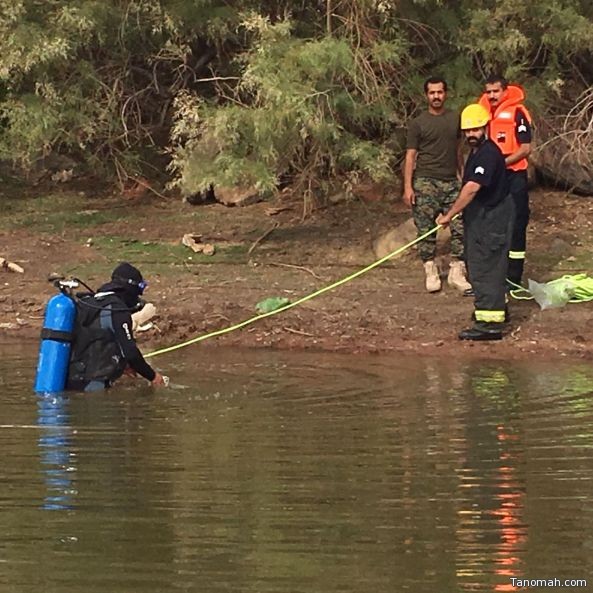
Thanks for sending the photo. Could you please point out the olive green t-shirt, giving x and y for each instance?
(435, 138)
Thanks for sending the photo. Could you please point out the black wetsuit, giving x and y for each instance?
(104, 344)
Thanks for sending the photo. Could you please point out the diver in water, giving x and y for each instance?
(103, 347)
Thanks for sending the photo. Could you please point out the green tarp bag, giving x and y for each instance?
(271, 304)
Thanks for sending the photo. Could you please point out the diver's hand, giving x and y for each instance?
(160, 380)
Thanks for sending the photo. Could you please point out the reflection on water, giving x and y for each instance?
(491, 532)
(57, 460)
(267, 472)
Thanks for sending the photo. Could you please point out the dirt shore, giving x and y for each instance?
(261, 252)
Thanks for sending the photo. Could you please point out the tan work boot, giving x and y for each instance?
(457, 276)
(433, 281)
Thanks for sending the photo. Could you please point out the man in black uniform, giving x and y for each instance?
(510, 129)
(104, 347)
(488, 221)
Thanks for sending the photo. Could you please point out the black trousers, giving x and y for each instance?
(488, 233)
(518, 190)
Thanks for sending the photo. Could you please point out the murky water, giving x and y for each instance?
(268, 472)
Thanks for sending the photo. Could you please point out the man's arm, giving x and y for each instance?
(412, 145)
(523, 135)
(122, 328)
(409, 164)
(466, 195)
(523, 152)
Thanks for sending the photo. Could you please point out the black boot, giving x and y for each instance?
(478, 334)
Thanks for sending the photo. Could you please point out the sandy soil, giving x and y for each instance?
(386, 310)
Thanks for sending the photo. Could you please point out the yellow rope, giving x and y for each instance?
(519, 293)
(582, 288)
(297, 302)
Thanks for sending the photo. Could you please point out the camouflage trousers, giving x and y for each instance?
(434, 196)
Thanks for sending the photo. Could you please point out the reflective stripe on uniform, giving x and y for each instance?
(490, 316)
(516, 255)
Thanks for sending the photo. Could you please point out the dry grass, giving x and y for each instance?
(573, 133)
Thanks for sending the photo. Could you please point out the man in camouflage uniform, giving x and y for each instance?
(431, 172)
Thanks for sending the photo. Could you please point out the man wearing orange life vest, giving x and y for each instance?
(510, 130)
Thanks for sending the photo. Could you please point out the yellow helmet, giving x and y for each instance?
(474, 116)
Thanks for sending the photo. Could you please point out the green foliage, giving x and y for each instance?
(264, 93)
(533, 41)
(304, 109)
(96, 78)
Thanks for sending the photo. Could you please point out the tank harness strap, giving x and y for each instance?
(106, 322)
(56, 335)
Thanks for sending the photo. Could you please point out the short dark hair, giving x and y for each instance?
(494, 78)
(435, 80)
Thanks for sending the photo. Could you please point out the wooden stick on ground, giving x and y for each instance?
(296, 331)
(260, 239)
(272, 263)
(11, 266)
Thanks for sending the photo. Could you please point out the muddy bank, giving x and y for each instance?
(386, 310)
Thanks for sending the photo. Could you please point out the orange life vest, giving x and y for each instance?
(501, 128)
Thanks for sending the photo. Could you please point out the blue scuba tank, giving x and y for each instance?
(56, 338)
